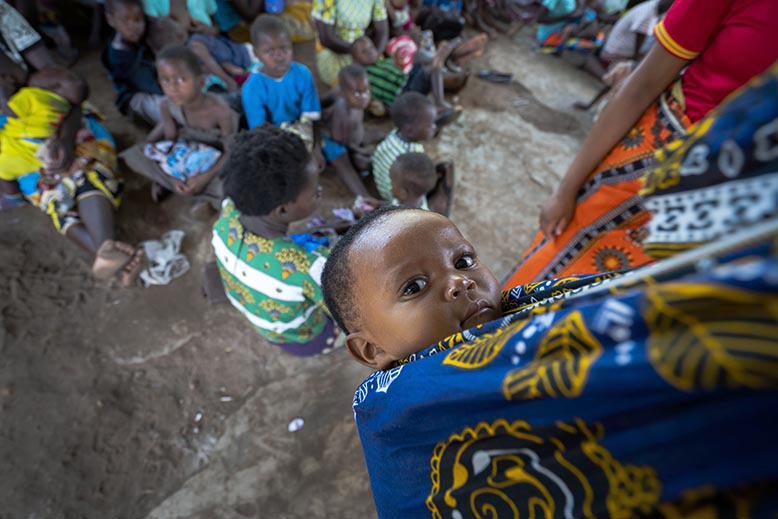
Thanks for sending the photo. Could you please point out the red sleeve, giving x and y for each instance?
(689, 25)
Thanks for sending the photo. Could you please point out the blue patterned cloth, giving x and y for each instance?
(640, 400)
(647, 394)
(181, 159)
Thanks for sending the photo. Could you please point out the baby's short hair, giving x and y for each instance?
(183, 55)
(111, 5)
(266, 168)
(352, 71)
(407, 107)
(416, 171)
(266, 25)
(337, 279)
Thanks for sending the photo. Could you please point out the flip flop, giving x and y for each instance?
(495, 76)
(449, 116)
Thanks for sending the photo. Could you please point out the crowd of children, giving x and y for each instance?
(208, 90)
(240, 128)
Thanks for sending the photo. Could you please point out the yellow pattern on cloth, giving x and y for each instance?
(38, 115)
(350, 18)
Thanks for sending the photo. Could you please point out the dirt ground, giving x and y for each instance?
(149, 403)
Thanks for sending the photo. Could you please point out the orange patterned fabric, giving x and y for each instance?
(606, 230)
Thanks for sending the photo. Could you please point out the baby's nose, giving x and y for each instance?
(458, 287)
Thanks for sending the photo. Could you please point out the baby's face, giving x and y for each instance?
(417, 281)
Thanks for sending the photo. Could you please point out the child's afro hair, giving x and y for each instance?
(266, 25)
(406, 108)
(351, 71)
(183, 55)
(111, 5)
(337, 279)
(266, 168)
(416, 171)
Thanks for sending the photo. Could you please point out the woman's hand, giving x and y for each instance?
(556, 213)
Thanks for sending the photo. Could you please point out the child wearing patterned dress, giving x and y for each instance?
(273, 278)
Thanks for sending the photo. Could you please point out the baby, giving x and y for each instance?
(402, 279)
(414, 118)
(345, 147)
(413, 176)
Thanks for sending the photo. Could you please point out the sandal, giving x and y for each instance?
(495, 76)
(449, 116)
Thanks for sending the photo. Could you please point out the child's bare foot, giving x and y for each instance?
(159, 192)
(127, 276)
(110, 258)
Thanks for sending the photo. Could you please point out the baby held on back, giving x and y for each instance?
(402, 279)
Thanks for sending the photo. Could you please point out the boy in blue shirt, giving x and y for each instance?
(283, 90)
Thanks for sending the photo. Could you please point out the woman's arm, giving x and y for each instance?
(643, 86)
(329, 39)
(381, 35)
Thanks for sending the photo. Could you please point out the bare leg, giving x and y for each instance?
(349, 176)
(97, 214)
(80, 236)
(436, 85)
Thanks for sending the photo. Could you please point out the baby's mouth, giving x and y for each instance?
(477, 313)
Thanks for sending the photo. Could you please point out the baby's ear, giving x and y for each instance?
(366, 352)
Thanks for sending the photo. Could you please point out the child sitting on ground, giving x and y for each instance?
(130, 62)
(79, 192)
(402, 279)
(194, 125)
(413, 176)
(425, 76)
(345, 146)
(282, 91)
(414, 118)
(271, 181)
(220, 57)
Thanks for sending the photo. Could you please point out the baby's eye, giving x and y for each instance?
(465, 262)
(414, 287)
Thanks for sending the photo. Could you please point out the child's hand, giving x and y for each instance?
(195, 185)
(556, 213)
